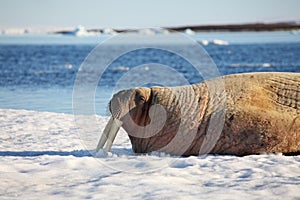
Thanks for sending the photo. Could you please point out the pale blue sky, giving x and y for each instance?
(139, 13)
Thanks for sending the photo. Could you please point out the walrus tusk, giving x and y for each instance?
(104, 136)
(115, 126)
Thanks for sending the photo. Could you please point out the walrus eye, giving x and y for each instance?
(139, 99)
(142, 98)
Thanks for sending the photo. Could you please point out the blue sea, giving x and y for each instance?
(37, 72)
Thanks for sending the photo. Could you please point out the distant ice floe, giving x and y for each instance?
(14, 31)
(80, 31)
(214, 42)
(189, 31)
(251, 65)
(295, 32)
(204, 42)
(121, 68)
(146, 32)
(109, 31)
(219, 42)
(152, 31)
(68, 66)
(266, 65)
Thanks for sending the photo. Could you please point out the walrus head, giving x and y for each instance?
(152, 117)
(128, 108)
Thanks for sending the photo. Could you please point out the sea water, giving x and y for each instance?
(38, 72)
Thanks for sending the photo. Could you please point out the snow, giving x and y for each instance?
(44, 155)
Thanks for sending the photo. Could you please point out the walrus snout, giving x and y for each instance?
(126, 102)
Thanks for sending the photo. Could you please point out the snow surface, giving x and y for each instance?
(44, 156)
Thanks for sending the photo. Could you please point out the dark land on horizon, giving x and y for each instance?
(280, 26)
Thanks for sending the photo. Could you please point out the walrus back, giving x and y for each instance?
(285, 90)
(263, 110)
(278, 91)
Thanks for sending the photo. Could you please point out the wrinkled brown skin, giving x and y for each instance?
(262, 115)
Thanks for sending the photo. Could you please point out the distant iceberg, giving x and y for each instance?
(109, 31)
(152, 31)
(204, 42)
(189, 31)
(14, 31)
(295, 32)
(80, 31)
(215, 42)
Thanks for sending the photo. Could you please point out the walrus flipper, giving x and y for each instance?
(285, 90)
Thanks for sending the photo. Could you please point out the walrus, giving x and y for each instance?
(261, 114)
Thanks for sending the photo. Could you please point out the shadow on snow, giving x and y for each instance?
(75, 153)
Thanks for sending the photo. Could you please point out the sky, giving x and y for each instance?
(143, 13)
